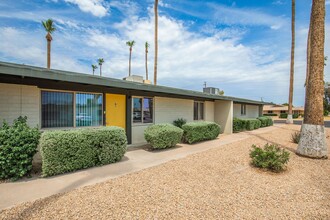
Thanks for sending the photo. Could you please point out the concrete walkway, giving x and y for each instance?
(134, 160)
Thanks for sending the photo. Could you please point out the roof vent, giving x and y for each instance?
(134, 78)
(211, 90)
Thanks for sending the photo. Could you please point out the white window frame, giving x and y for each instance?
(142, 105)
(198, 109)
(74, 107)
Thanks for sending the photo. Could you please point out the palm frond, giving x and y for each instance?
(100, 61)
(49, 26)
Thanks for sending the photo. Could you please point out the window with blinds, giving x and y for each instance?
(198, 110)
(57, 109)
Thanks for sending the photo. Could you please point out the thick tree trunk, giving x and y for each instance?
(156, 42)
(49, 41)
(129, 62)
(146, 64)
(289, 119)
(312, 141)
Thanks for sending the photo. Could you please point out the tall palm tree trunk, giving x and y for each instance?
(156, 42)
(100, 69)
(129, 62)
(49, 42)
(312, 141)
(289, 118)
(146, 64)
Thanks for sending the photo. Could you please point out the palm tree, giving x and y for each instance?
(156, 42)
(94, 67)
(289, 119)
(49, 28)
(146, 47)
(130, 44)
(312, 141)
(100, 61)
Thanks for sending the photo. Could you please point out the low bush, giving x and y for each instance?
(295, 116)
(295, 137)
(18, 144)
(251, 124)
(283, 115)
(238, 125)
(257, 124)
(66, 151)
(161, 136)
(270, 157)
(200, 131)
(246, 124)
(179, 122)
(265, 121)
(270, 114)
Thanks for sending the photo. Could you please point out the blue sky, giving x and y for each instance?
(241, 47)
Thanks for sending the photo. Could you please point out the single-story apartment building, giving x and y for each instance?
(55, 99)
(279, 109)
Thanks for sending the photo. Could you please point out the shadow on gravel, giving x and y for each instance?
(272, 142)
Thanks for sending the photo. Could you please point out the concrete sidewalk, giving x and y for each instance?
(134, 160)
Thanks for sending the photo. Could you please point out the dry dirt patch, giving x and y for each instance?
(216, 184)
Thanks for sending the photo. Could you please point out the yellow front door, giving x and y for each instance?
(115, 111)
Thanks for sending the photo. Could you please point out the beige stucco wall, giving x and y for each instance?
(138, 134)
(166, 110)
(209, 111)
(252, 111)
(169, 109)
(223, 115)
(19, 100)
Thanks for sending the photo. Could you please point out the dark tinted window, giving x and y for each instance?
(57, 109)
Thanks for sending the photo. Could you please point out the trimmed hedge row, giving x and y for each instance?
(240, 124)
(200, 131)
(70, 150)
(285, 115)
(270, 114)
(265, 121)
(161, 136)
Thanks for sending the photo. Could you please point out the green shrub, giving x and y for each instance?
(257, 124)
(295, 115)
(200, 131)
(179, 122)
(161, 136)
(66, 151)
(238, 125)
(242, 124)
(295, 137)
(271, 157)
(265, 121)
(283, 115)
(18, 144)
(270, 114)
(251, 124)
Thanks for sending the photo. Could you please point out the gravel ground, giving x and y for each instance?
(215, 184)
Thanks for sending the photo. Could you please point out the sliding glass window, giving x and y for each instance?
(88, 109)
(62, 109)
(57, 109)
(143, 110)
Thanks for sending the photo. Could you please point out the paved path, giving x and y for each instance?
(299, 122)
(134, 160)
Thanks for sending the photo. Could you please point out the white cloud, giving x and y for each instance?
(186, 58)
(97, 8)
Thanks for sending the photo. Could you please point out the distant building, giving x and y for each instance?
(278, 109)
